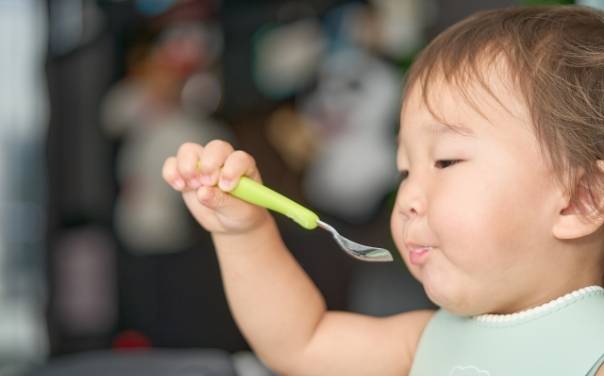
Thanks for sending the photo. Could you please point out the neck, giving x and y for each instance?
(555, 289)
(572, 265)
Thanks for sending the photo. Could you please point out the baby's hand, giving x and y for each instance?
(204, 174)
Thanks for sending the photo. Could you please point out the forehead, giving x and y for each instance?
(473, 105)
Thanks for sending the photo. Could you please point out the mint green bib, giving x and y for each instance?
(562, 338)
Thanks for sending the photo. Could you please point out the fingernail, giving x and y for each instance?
(206, 179)
(225, 184)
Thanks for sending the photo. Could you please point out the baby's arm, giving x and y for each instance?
(276, 305)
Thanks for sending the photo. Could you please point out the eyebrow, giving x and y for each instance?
(459, 129)
(440, 128)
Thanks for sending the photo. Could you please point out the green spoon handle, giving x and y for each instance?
(255, 193)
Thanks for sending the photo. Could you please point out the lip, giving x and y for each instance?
(418, 254)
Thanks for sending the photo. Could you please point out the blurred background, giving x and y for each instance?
(102, 270)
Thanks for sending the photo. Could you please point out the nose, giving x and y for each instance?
(411, 198)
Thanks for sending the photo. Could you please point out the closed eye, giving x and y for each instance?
(444, 163)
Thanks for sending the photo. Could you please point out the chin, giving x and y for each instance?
(454, 299)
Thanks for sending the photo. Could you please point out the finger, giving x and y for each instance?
(171, 175)
(187, 157)
(214, 155)
(238, 163)
(211, 197)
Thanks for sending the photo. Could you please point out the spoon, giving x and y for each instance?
(255, 193)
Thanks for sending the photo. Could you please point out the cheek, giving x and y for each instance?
(476, 222)
(488, 224)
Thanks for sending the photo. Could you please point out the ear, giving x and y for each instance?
(580, 215)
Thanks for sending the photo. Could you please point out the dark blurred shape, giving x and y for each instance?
(81, 186)
(449, 12)
(244, 23)
(208, 362)
(175, 301)
(75, 23)
(163, 13)
(131, 340)
(153, 7)
(168, 98)
(85, 285)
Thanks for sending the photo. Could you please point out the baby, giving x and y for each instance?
(499, 215)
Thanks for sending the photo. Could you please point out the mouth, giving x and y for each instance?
(418, 253)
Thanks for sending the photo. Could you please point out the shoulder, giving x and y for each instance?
(413, 325)
(405, 330)
(416, 320)
(600, 372)
(355, 336)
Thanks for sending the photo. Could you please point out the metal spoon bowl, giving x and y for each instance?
(357, 250)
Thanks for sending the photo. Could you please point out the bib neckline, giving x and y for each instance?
(552, 306)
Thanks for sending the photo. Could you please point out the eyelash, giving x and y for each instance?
(440, 164)
(444, 163)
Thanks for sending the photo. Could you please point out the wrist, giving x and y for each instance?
(263, 227)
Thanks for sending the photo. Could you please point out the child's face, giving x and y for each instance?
(484, 201)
